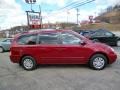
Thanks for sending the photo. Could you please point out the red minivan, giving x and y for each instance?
(59, 47)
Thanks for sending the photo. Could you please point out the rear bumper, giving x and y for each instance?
(14, 59)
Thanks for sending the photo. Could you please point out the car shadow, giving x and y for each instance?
(62, 66)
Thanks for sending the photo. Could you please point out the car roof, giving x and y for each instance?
(4, 39)
(7, 39)
(41, 31)
(47, 30)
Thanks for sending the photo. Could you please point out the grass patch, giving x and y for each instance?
(111, 27)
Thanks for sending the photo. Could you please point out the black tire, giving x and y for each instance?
(1, 50)
(98, 62)
(28, 63)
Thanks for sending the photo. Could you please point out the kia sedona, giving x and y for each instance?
(59, 47)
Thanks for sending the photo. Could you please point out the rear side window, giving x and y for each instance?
(27, 39)
(48, 38)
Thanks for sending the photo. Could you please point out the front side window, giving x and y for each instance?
(68, 38)
(27, 40)
(48, 38)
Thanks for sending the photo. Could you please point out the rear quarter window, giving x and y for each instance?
(27, 39)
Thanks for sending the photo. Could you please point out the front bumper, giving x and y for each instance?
(112, 58)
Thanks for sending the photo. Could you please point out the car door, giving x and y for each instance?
(48, 48)
(104, 37)
(110, 38)
(26, 45)
(72, 51)
(98, 36)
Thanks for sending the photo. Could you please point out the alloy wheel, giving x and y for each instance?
(28, 63)
(98, 62)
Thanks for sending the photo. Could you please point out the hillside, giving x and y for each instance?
(108, 26)
(109, 19)
(111, 15)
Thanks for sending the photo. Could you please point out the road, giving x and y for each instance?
(58, 77)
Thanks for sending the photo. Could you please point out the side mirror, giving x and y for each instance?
(82, 42)
(88, 37)
(113, 35)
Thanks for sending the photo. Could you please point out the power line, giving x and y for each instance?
(77, 14)
(78, 5)
(73, 5)
(67, 7)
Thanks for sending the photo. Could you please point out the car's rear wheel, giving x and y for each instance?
(118, 43)
(1, 49)
(98, 62)
(28, 63)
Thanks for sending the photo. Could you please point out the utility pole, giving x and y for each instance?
(28, 18)
(67, 16)
(40, 16)
(31, 2)
(34, 18)
(77, 15)
(27, 12)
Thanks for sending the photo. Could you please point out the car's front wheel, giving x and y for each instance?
(28, 63)
(1, 49)
(98, 62)
(118, 43)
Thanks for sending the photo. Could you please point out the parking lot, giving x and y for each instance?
(58, 77)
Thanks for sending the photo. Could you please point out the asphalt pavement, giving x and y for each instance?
(58, 77)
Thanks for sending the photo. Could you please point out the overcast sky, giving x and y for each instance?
(12, 12)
